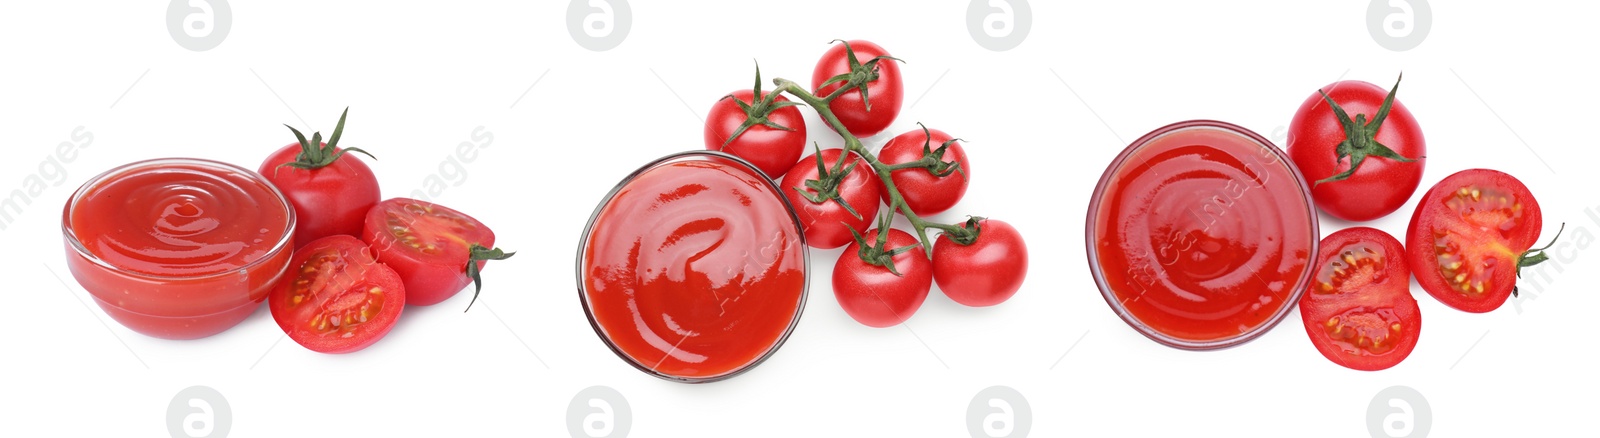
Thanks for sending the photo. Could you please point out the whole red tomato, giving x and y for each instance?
(1362, 148)
(1470, 237)
(1358, 309)
(872, 105)
(335, 297)
(874, 295)
(938, 185)
(832, 196)
(436, 250)
(766, 130)
(984, 272)
(330, 190)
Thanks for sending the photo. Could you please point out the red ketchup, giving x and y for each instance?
(178, 248)
(694, 269)
(1200, 235)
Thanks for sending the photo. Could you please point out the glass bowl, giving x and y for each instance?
(1200, 235)
(178, 248)
(694, 268)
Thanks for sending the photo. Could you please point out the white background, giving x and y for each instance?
(1495, 84)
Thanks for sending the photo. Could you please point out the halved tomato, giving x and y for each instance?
(1358, 311)
(436, 250)
(336, 298)
(1470, 234)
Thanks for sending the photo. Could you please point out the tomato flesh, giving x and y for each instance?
(1358, 311)
(337, 298)
(427, 244)
(1467, 236)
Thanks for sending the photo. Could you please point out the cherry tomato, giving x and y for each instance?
(335, 297)
(863, 113)
(1358, 309)
(985, 272)
(872, 294)
(1470, 235)
(826, 219)
(1366, 167)
(430, 245)
(330, 189)
(936, 187)
(768, 134)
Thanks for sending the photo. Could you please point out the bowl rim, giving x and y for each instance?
(119, 171)
(1106, 292)
(697, 155)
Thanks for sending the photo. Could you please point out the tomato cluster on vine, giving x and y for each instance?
(884, 274)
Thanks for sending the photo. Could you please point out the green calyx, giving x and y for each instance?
(1536, 256)
(860, 74)
(880, 255)
(826, 186)
(480, 253)
(315, 155)
(933, 158)
(967, 234)
(756, 112)
(1360, 136)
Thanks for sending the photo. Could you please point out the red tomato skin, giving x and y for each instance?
(1431, 211)
(827, 225)
(327, 201)
(886, 94)
(352, 250)
(769, 149)
(985, 273)
(1392, 292)
(1381, 185)
(428, 280)
(924, 192)
(876, 297)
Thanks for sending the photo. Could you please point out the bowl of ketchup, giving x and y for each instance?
(178, 248)
(1199, 235)
(694, 268)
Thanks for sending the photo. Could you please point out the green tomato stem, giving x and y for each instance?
(897, 202)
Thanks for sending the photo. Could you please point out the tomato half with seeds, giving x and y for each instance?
(430, 245)
(1358, 309)
(336, 297)
(1470, 234)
